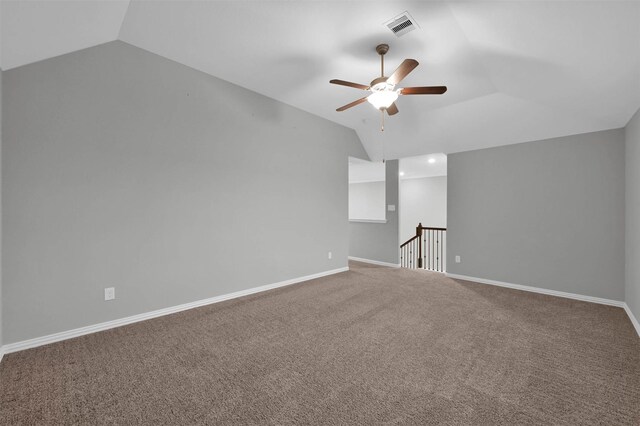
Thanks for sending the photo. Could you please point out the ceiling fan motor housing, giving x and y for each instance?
(383, 89)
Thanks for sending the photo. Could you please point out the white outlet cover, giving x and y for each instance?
(109, 293)
(329, 255)
(391, 207)
(457, 259)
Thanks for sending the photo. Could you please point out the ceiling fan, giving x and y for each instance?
(383, 89)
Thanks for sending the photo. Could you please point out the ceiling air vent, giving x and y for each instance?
(402, 24)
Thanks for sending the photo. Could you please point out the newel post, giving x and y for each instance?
(419, 235)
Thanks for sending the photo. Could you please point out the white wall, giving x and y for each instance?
(122, 168)
(366, 200)
(423, 200)
(546, 214)
(632, 234)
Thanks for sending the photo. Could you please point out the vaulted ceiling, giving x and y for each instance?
(516, 71)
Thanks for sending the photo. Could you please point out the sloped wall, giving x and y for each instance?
(124, 169)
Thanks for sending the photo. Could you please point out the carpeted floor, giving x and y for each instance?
(370, 346)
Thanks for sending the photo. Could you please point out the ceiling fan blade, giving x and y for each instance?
(393, 109)
(402, 71)
(432, 90)
(349, 84)
(352, 104)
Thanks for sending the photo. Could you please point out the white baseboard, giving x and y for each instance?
(633, 319)
(1, 353)
(584, 298)
(539, 290)
(574, 296)
(375, 262)
(52, 338)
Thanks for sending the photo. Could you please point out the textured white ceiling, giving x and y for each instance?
(517, 71)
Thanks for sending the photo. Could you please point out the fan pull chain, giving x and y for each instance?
(382, 121)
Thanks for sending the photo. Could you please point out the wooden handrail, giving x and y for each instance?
(409, 240)
(433, 256)
(418, 234)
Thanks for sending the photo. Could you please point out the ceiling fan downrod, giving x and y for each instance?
(382, 49)
(383, 91)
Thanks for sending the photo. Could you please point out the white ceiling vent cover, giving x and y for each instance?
(402, 24)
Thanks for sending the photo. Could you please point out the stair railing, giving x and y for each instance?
(425, 250)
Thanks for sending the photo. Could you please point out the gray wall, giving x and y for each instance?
(1, 322)
(632, 268)
(125, 169)
(547, 214)
(379, 241)
(366, 200)
(423, 200)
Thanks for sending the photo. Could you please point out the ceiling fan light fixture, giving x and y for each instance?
(382, 99)
(383, 89)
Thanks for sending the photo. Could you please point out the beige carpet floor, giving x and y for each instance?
(370, 346)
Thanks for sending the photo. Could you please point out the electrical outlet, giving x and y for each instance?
(329, 255)
(109, 293)
(457, 259)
